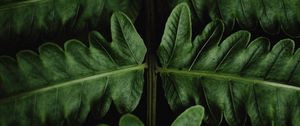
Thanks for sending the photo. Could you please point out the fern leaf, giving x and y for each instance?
(237, 80)
(61, 87)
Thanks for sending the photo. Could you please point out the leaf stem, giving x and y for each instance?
(151, 92)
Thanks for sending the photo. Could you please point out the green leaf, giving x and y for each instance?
(191, 117)
(61, 87)
(27, 17)
(270, 15)
(172, 36)
(130, 120)
(235, 79)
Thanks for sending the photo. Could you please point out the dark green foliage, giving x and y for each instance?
(272, 16)
(35, 17)
(61, 87)
(235, 79)
(238, 79)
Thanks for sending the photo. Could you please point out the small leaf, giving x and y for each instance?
(130, 120)
(173, 39)
(191, 117)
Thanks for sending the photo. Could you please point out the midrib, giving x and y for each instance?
(224, 76)
(73, 82)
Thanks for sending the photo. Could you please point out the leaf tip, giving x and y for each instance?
(286, 43)
(119, 16)
(70, 43)
(219, 23)
(183, 9)
(183, 6)
(47, 45)
(129, 120)
(23, 53)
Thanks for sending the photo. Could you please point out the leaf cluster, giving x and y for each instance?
(216, 77)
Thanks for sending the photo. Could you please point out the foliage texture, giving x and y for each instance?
(236, 79)
(270, 15)
(34, 17)
(61, 87)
